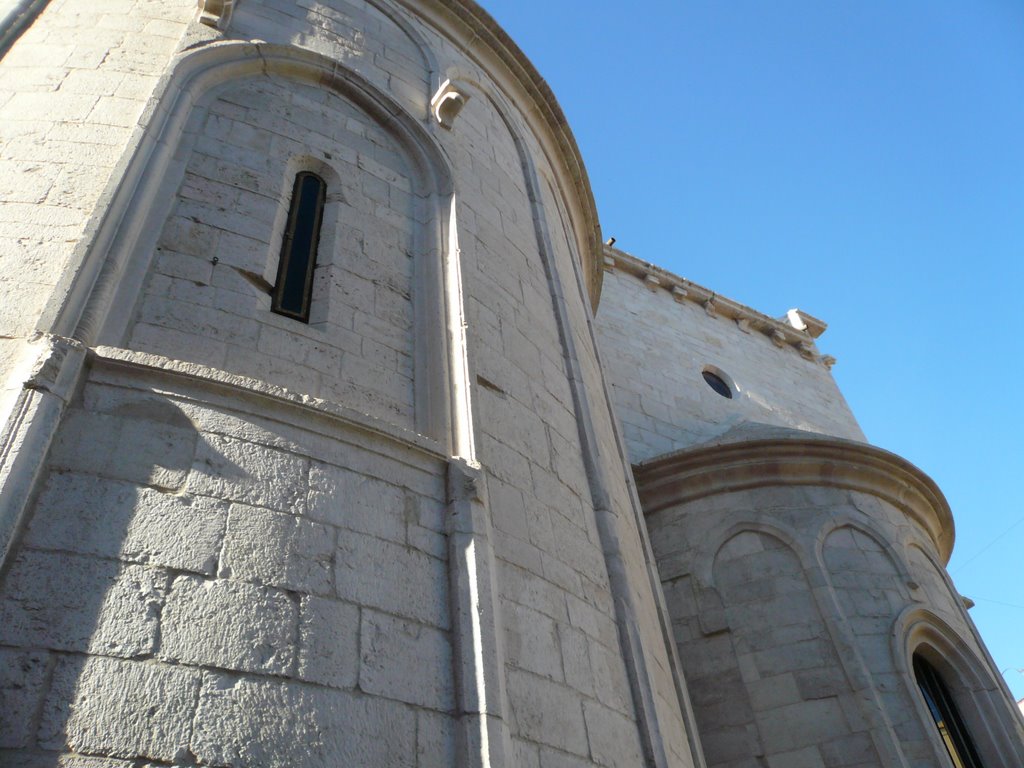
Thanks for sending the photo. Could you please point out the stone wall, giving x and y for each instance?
(71, 102)
(797, 609)
(402, 534)
(199, 582)
(656, 345)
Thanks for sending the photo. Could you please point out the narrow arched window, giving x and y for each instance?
(947, 718)
(294, 286)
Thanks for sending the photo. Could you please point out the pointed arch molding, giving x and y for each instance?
(981, 694)
(794, 458)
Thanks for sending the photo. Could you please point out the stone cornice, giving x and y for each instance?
(795, 459)
(782, 332)
(480, 35)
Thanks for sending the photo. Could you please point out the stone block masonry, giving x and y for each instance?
(409, 532)
(656, 346)
(71, 102)
(204, 603)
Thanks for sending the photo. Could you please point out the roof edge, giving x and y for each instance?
(484, 31)
(797, 329)
(798, 458)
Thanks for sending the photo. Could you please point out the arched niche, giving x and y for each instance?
(784, 650)
(112, 275)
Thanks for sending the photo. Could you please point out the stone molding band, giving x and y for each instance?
(820, 461)
(264, 399)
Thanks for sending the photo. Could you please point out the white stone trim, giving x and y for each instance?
(478, 655)
(156, 368)
(49, 375)
(447, 102)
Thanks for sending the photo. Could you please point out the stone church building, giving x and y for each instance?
(332, 435)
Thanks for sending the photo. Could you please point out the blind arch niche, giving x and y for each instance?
(440, 396)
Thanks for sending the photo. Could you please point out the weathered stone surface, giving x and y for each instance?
(46, 759)
(435, 740)
(532, 641)
(406, 661)
(75, 603)
(22, 676)
(229, 624)
(613, 737)
(58, 77)
(82, 761)
(351, 500)
(329, 642)
(392, 578)
(280, 549)
(236, 470)
(150, 715)
(139, 450)
(94, 516)
(249, 722)
(547, 712)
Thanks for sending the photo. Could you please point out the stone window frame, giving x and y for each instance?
(328, 251)
(945, 713)
(286, 276)
(979, 693)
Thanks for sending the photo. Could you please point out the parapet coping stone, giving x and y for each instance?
(798, 329)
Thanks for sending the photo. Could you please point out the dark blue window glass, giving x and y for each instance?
(944, 713)
(294, 287)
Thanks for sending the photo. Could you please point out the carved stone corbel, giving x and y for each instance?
(652, 282)
(449, 100)
(216, 13)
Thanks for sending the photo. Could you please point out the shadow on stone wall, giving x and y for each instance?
(109, 530)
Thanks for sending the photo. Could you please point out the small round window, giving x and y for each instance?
(717, 382)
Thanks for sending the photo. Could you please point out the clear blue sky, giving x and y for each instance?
(860, 159)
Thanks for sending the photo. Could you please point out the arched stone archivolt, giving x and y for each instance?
(856, 559)
(725, 530)
(870, 528)
(979, 693)
(940, 594)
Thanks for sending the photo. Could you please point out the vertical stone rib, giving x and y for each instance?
(483, 738)
(626, 612)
